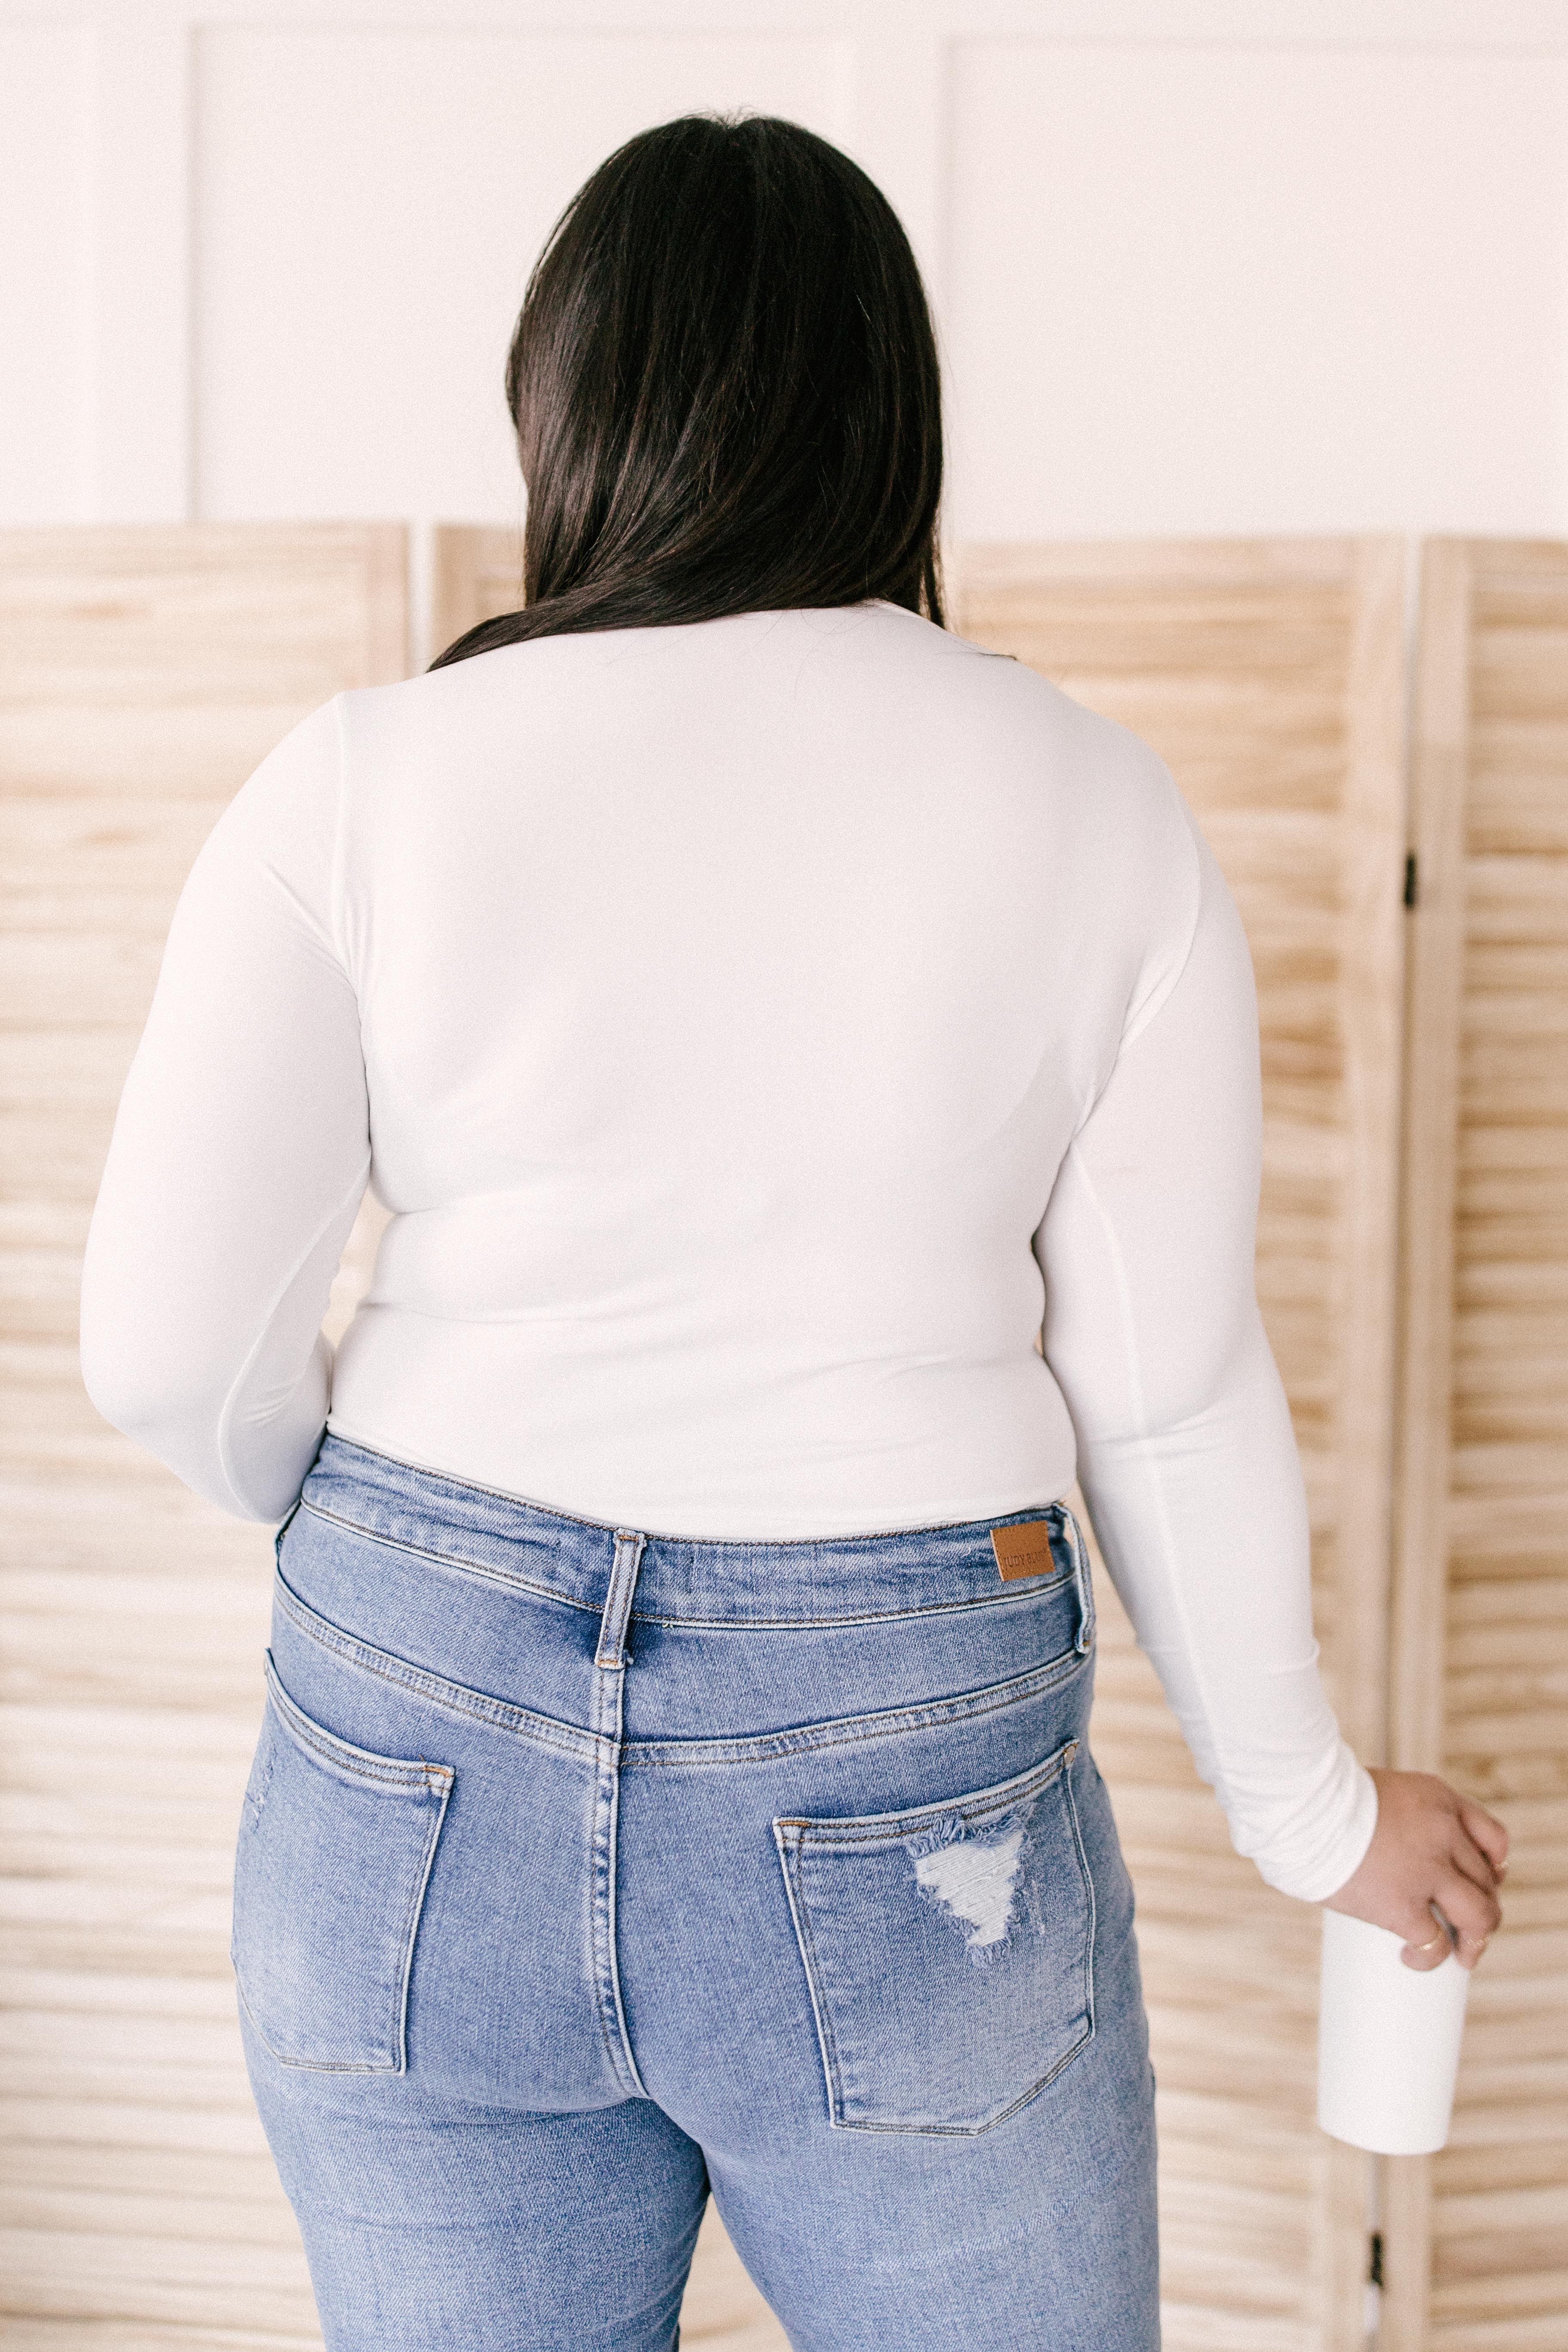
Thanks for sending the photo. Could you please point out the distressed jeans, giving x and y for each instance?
(583, 1870)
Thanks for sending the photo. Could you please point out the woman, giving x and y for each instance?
(766, 1017)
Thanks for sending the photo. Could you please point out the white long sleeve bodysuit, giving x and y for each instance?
(739, 1020)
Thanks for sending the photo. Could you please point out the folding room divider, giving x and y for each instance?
(1479, 1685)
(146, 671)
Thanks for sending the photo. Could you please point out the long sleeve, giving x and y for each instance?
(239, 1155)
(1186, 1455)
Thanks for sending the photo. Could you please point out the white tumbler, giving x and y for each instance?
(1388, 2040)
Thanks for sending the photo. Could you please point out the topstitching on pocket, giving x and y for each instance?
(335, 1849)
(949, 1949)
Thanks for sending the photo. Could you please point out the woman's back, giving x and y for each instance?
(727, 997)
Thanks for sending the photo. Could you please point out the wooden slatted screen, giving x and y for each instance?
(1271, 678)
(478, 572)
(1479, 2235)
(145, 672)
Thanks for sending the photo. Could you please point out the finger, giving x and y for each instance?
(1487, 1831)
(1474, 1861)
(1471, 1912)
(1427, 1943)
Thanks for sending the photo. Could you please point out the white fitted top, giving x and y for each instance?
(757, 1030)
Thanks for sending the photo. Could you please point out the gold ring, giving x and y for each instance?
(1431, 1944)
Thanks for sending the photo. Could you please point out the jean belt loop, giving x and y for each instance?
(612, 1650)
(1084, 1582)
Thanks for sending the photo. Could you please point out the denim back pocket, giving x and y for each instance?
(950, 1952)
(335, 1847)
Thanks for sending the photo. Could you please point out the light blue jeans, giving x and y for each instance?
(583, 1870)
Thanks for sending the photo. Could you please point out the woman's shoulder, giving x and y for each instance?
(1092, 754)
(876, 670)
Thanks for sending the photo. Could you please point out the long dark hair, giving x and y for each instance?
(725, 388)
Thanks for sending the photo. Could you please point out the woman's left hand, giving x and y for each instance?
(1435, 1864)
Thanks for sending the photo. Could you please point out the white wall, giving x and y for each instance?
(1210, 265)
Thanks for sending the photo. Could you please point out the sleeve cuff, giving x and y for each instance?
(1315, 1864)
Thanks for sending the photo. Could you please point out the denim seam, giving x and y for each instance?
(596, 1870)
(878, 1829)
(1083, 1578)
(460, 1700)
(301, 2065)
(973, 2131)
(408, 1931)
(390, 1772)
(1093, 1911)
(458, 1487)
(609, 1695)
(827, 2047)
(1046, 1585)
(463, 1565)
(674, 1753)
(436, 1784)
(691, 1754)
(411, 1937)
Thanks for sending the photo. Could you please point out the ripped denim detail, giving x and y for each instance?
(977, 1880)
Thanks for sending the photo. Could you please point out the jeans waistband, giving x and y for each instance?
(815, 1580)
